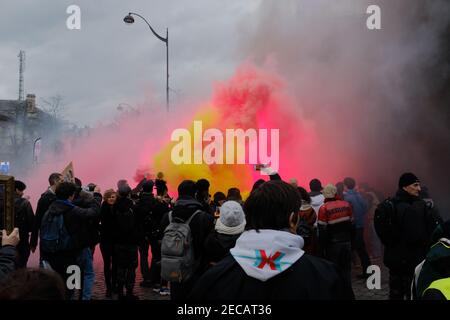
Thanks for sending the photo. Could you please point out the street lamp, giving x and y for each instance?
(129, 20)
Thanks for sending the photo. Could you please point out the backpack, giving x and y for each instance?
(177, 252)
(54, 236)
(304, 229)
(384, 222)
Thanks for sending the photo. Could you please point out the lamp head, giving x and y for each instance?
(128, 19)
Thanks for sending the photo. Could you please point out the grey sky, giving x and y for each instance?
(108, 62)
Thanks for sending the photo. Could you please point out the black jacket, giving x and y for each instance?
(107, 223)
(23, 219)
(201, 225)
(149, 213)
(91, 232)
(309, 278)
(415, 222)
(126, 227)
(77, 220)
(7, 260)
(43, 204)
(218, 245)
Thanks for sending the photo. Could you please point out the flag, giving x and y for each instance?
(68, 173)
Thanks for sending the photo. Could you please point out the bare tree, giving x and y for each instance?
(54, 106)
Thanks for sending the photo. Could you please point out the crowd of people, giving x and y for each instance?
(282, 242)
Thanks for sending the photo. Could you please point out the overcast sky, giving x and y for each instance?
(108, 62)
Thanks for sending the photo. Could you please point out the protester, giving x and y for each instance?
(414, 222)
(305, 228)
(359, 210)
(24, 220)
(268, 262)
(234, 194)
(432, 276)
(62, 244)
(8, 252)
(126, 243)
(43, 204)
(218, 199)
(317, 198)
(90, 235)
(335, 231)
(228, 228)
(201, 224)
(107, 232)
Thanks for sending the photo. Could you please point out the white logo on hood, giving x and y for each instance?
(267, 253)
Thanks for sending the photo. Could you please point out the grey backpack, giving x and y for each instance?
(177, 252)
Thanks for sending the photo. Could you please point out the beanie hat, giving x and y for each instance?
(407, 179)
(231, 219)
(329, 191)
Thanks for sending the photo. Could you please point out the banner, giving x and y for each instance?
(68, 173)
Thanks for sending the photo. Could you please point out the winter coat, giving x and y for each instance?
(270, 265)
(201, 225)
(415, 222)
(23, 219)
(149, 213)
(359, 207)
(77, 220)
(91, 232)
(127, 230)
(43, 204)
(107, 223)
(217, 245)
(335, 222)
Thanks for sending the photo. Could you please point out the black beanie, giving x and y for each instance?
(407, 179)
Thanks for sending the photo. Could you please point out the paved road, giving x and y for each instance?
(359, 285)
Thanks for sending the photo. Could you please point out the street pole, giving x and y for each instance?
(167, 69)
(129, 20)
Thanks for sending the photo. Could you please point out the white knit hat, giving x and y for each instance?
(231, 219)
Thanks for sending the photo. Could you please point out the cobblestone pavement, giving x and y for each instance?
(359, 285)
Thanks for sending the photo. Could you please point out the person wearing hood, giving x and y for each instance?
(316, 195)
(201, 225)
(228, 228)
(335, 231)
(76, 220)
(44, 202)
(415, 222)
(307, 219)
(268, 262)
(126, 242)
(432, 276)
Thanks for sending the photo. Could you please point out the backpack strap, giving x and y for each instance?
(170, 216)
(192, 216)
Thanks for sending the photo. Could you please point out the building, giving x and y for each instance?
(21, 123)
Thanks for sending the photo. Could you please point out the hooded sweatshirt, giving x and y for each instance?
(270, 265)
(267, 253)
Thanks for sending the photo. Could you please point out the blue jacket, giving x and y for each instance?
(359, 206)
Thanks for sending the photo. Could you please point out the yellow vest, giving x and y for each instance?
(443, 285)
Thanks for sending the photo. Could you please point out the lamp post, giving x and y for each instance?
(129, 20)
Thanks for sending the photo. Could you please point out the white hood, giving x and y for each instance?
(266, 253)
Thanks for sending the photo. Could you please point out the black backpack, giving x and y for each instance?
(385, 224)
(304, 229)
(54, 236)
